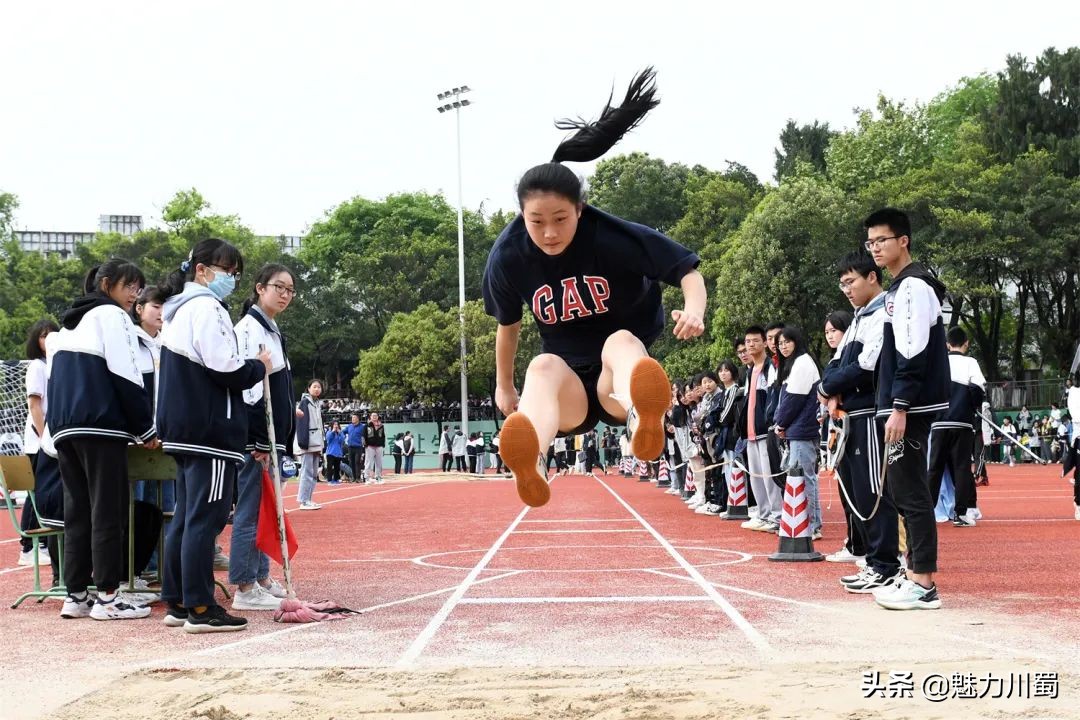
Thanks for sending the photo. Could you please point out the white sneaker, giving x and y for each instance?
(255, 599)
(842, 555)
(903, 561)
(117, 609)
(141, 595)
(275, 589)
(975, 513)
(752, 511)
(816, 535)
(752, 524)
(909, 595)
(26, 558)
(861, 562)
(1076, 515)
(74, 608)
(310, 506)
(722, 515)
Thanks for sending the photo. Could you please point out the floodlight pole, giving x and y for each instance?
(456, 104)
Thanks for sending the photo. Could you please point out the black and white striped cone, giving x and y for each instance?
(643, 471)
(796, 544)
(663, 475)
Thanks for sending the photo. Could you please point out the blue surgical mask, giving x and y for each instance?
(222, 285)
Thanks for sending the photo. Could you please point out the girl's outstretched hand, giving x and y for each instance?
(687, 324)
(506, 399)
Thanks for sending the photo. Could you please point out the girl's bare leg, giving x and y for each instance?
(639, 381)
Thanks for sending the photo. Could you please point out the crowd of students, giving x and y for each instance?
(900, 389)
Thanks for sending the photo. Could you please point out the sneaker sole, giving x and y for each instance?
(650, 394)
(126, 617)
(246, 606)
(862, 590)
(520, 449)
(932, 605)
(201, 629)
(174, 622)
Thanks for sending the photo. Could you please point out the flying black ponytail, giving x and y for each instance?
(591, 141)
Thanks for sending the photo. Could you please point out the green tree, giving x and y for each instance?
(881, 146)
(643, 189)
(1036, 108)
(778, 266)
(802, 143)
(419, 357)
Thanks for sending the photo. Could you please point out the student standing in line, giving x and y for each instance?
(309, 443)
(249, 568)
(203, 421)
(97, 406)
(913, 388)
(408, 450)
(374, 442)
(335, 451)
(354, 438)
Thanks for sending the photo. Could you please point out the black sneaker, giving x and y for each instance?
(870, 581)
(215, 619)
(176, 616)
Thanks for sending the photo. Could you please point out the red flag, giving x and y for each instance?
(266, 535)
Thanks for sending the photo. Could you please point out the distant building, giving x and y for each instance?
(63, 243)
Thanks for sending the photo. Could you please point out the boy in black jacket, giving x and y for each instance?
(913, 388)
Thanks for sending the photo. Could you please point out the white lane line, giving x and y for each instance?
(15, 569)
(364, 495)
(584, 599)
(363, 611)
(843, 610)
(11, 540)
(428, 633)
(756, 638)
(587, 520)
(574, 532)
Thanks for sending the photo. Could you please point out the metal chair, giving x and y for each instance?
(17, 474)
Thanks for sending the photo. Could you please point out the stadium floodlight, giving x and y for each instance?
(456, 106)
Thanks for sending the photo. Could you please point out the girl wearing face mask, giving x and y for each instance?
(592, 282)
(97, 406)
(203, 423)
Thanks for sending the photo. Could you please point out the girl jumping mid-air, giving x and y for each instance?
(592, 281)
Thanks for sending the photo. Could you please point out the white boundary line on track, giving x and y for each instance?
(756, 638)
(363, 611)
(377, 492)
(5, 571)
(572, 532)
(817, 606)
(589, 520)
(584, 599)
(428, 633)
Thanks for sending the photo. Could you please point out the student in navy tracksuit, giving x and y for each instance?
(848, 384)
(249, 568)
(97, 406)
(913, 388)
(796, 415)
(953, 436)
(203, 422)
(592, 282)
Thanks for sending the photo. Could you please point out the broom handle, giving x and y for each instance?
(275, 473)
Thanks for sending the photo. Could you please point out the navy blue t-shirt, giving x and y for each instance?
(607, 279)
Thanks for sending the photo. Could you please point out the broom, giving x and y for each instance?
(292, 609)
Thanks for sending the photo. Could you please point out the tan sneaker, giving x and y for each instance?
(520, 449)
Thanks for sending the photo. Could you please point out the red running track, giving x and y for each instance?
(611, 572)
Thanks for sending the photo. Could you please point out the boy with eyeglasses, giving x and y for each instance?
(912, 389)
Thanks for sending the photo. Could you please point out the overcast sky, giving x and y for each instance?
(279, 111)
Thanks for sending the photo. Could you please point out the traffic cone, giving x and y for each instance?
(690, 486)
(663, 476)
(736, 504)
(643, 471)
(796, 545)
(625, 466)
